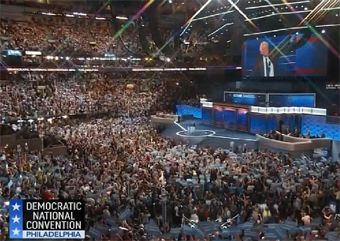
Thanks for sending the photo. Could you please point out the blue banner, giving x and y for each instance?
(16, 219)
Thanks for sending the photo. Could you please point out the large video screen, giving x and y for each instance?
(292, 100)
(298, 54)
(244, 98)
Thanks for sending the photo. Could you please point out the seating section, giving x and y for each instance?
(67, 37)
(57, 94)
(80, 38)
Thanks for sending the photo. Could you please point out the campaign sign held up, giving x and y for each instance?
(37, 219)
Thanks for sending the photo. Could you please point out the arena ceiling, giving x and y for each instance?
(217, 20)
(257, 16)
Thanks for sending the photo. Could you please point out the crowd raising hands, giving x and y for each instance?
(120, 162)
(129, 175)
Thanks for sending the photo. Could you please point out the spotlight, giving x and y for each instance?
(323, 31)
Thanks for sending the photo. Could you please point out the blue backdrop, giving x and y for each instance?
(258, 124)
(317, 125)
(292, 101)
(218, 116)
(189, 110)
(207, 116)
(230, 118)
(310, 59)
(242, 119)
(262, 124)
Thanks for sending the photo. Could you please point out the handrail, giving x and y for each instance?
(287, 146)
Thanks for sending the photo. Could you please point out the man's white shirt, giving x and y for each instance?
(271, 68)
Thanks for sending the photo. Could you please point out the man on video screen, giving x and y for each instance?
(265, 65)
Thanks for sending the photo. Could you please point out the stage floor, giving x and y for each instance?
(220, 138)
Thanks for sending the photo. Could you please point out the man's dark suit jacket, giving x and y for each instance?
(258, 69)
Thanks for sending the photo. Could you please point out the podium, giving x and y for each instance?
(191, 129)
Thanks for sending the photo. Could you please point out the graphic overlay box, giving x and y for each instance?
(37, 219)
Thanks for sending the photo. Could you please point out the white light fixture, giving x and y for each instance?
(323, 31)
(79, 14)
(122, 18)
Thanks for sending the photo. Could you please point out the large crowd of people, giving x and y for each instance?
(59, 94)
(63, 37)
(60, 36)
(138, 185)
(120, 162)
(81, 38)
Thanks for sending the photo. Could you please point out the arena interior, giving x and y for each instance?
(174, 119)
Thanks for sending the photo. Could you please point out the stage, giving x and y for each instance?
(207, 135)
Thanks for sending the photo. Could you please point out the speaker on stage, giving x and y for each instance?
(281, 127)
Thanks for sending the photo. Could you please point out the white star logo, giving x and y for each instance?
(16, 231)
(16, 219)
(16, 207)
